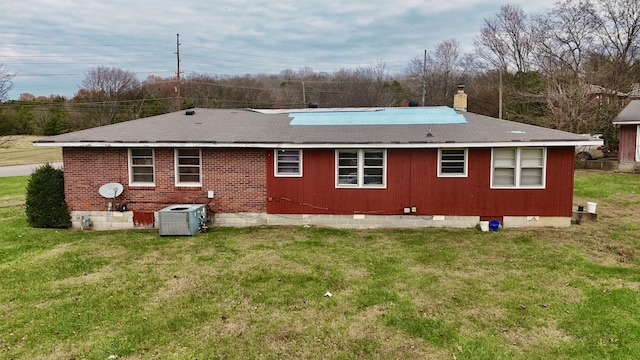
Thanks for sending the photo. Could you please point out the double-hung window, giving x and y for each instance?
(188, 167)
(518, 168)
(288, 163)
(141, 167)
(452, 162)
(361, 168)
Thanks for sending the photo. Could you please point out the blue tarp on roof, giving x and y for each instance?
(383, 116)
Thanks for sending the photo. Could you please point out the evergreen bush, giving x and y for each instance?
(45, 202)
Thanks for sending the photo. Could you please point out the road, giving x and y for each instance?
(22, 170)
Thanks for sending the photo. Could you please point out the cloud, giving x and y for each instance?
(51, 44)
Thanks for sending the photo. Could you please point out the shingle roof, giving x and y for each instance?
(629, 115)
(247, 128)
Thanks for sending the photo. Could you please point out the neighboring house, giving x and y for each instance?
(599, 95)
(634, 94)
(628, 122)
(360, 168)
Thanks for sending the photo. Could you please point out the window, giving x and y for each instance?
(361, 168)
(452, 162)
(518, 167)
(288, 162)
(141, 169)
(188, 167)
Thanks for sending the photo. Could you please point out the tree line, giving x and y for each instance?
(569, 68)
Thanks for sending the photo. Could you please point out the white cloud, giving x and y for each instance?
(69, 37)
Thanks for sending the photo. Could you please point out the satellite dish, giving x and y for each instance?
(111, 190)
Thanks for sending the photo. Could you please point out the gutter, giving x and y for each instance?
(247, 145)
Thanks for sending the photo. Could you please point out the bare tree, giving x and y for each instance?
(505, 40)
(5, 85)
(439, 72)
(564, 37)
(618, 24)
(363, 86)
(5, 82)
(568, 106)
(572, 106)
(376, 79)
(111, 93)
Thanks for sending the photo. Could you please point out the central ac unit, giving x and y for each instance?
(181, 219)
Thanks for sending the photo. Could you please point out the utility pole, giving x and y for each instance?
(178, 100)
(500, 96)
(304, 95)
(424, 75)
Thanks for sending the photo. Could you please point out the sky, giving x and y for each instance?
(50, 45)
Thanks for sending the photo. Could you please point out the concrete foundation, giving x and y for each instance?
(536, 221)
(608, 164)
(580, 217)
(629, 167)
(360, 221)
(102, 220)
(357, 221)
(113, 220)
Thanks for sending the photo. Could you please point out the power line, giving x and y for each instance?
(83, 56)
(250, 65)
(84, 45)
(257, 55)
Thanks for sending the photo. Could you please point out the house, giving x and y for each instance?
(599, 96)
(628, 122)
(634, 94)
(357, 168)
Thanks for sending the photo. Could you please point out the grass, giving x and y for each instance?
(603, 185)
(259, 292)
(20, 150)
(12, 190)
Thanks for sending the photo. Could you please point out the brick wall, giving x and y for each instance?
(237, 177)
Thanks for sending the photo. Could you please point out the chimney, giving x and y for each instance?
(460, 99)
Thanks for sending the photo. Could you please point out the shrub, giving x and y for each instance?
(45, 203)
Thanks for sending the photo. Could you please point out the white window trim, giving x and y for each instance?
(518, 169)
(466, 163)
(275, 164)
(131, 166)
(360, 182)
(176, 168)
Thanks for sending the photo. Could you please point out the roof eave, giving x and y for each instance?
(637, 122)
(240, 145)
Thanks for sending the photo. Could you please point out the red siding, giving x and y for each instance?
(237, 178)
(627, 143)
(243, 181)
(412, 181)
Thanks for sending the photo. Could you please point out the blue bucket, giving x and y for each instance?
(494, 225)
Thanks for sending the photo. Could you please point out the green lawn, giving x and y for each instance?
(17, 150)
(12, 190)
(259, 292)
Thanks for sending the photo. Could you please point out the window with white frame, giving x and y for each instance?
(518, 167)
(288, 162)
(141, 167)
(452, 162)
(361, 168)
(188, 167)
